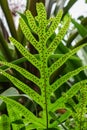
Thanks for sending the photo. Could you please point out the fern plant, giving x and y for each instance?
(20, 116)
(4, 122)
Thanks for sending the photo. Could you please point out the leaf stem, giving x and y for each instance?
(9, 18)
(5, 48)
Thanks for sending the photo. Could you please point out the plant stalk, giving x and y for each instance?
(9, 18)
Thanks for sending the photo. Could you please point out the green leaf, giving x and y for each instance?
(4, 122)
(69, 94)
(22, 111)
(31, 22)
(64, 78)
(58, 38)
(25, 52)
(81, 29)
(14, 115)
(63, 59)
(23, 87)
(54, 24)
(42, 15)
(23, 72)
(27, 32)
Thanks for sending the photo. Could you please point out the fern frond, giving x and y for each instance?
(44, 29)
(58, 38)
(62, 118)
(81, 108)
(56, 65)
(23, 87)
(22, 111)
(54, 24)
(31, 58)
(27, 32)
(13, 115)
(64, 78)
(69, 94)
(4, 122)
(31, 22)
(42, 16)
(23, 72)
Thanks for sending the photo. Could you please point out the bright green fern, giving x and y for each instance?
(4, 122)
(44, 28)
